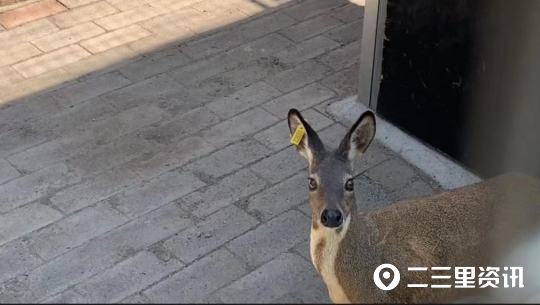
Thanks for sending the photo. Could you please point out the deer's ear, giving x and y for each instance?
(310, 146)
(357, 140)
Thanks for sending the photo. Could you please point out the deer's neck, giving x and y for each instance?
(340, 256)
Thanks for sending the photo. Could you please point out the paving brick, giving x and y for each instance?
(305, 208)
(126, 278)
(51, 61)
(75, 3)
(298, 76)
(24, 14)
(7, 171)
(136, 298)
(229, 158)
(103, 62)
(348, 13)
(204, 69)
(224, 40)
(307, 49)
(9, 76)
(332, 136)
(171, 25)
(243, 99)
(308, 9)
(300, 99)
(415, 189)
(29, 31)
(74, 230)
(160, 62)
(394, 174)
(16, 53)
(126, 5)
(210, 234)
(375, 154)
(311, 27)
(33, 216)
(65, 297)
(239, 127)
(214, 15)
(279, 166)
(291, 192)
(278, 136)
(287, 273)
(371, 195)
(159, 40)
(16, 258)
(343, 57)
(68, 36)
(160, 90)
(272, 238)
(90, 88)
(223, 193)
(31, 187)
(128, 17)
(98, 159)
(303, 250)
(344, 82)
(115, 38)
(215, 270)
(96, 256)
(157, 192)
(181, 126)
(83, 14)
(99, 133)
(347, 33)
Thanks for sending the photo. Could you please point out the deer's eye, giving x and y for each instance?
(312, 184)
(349, 185)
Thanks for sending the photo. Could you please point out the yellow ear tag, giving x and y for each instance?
(298, 135)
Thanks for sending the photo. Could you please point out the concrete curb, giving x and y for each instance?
(445, 171)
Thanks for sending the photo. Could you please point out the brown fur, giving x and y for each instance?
(470, 226)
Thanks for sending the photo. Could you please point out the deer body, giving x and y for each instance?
(470, 226)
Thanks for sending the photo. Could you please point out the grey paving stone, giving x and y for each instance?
(375, 154)
(344, 82)
(415, 189)
(286, 274)
(154, 64)
(343, 57)
(393, 174)
(299, 76)
(31, 187)
(332, 136)
(272, 238)
(243, 99)
(238, 127)
(371, 195)
(210, 233)
(280, 165)
(303, 250)
(305, 50)
(99, 133)
(243, 33)
(125, 278)
(204, 69)
(300, 99)
(25, 219)
(136, 298)
(157, 192)
(7, 172)
(181, 125)
(16, 258)
(223, 193)
(347, 33)
(348, 13)
(74, 230)
(308, 9)
(280, 197)
(305, 208)
(215, 270)
(230, 158)
(278, 136)
(65, 297)
(311, 27)
(95, 256)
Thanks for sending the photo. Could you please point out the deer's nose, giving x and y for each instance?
(331, 218)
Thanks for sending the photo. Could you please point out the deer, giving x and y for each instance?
(469, 226)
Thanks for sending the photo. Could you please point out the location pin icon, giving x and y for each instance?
(379, 275)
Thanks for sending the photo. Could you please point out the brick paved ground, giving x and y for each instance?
(144, 152)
